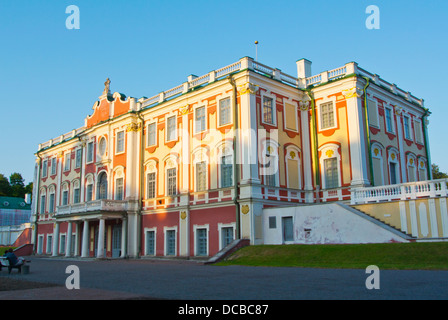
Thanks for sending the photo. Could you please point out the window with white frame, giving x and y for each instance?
(53, 166)
(327, 116)
(42, 201)
(102, 146)
(226, 171)
(152, 134)
(171, 129)
(120, 142)
(51, 201)
(89, 192)
(200, 119)
(330, 160)
(406, 128)
(119, 189)
(171, 181)
(418, 132)
(225, 112)
(394, 170)
(150, 242)
(269, 164)
(268, 110)
(412, 170)
(78, 158)
(151, 185)
(170, 242)
(389, 120)
(201, 241)
(90, 152)
(65, 194)
(201, 176)
(67, 162)
(44, 168)
(76, 192)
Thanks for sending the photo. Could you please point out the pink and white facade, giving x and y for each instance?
(189, 170)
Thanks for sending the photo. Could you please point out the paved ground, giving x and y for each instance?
(190, 280)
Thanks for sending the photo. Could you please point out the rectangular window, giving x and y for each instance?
(78, 158)
(51, 204)
(49, 244)
(44, 168)
(224, 111)
(89, 192)
(119, 189)
(152, 134)
(53, 166)
(64, 197)
(151, 185)
(120, 142)
(76, 195)
(42, 204)
(170, 242)
(268, 110)
(62, 244)
(393, 173)
(331, 173)
(172, 181)
(407, 132)
(272, 222)
(418, 132)
(90, 152)
(327, 116)
(201, 242)
(150, 243)
(67, 162)
(200, 119)
(389, 125)
(226, 171)
(201, 178)
(171, 130)
(226, 236)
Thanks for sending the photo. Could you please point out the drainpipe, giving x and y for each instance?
(425, 136)
(315, 141)
(140, 201)
(236, 168)
(369, 147)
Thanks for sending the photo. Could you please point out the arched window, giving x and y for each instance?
(330, 165)
(102, 186)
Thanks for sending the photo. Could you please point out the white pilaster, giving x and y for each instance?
(306, 155)
(68, 239)
(100, 248)
(124, 235)
(55, 239)
(85, 240)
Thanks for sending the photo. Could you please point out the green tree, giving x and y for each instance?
(17, 184)
(436, 173)
(5, 187)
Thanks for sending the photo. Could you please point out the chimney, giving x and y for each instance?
(303, 68)
(28, 198)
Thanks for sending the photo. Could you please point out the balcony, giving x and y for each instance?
(404, 191)
(102, 205)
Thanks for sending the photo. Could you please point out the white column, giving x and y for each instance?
(68, 240)
(101, 230)
(358, 155)
(307, 169)
(124, 236)
(85, 240)
(76, 248)
(55, 239)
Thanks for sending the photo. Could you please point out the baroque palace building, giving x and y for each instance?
(186, 172)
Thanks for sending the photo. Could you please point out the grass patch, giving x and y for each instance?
(4, 249)
(403, 256)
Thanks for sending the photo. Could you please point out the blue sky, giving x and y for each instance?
(51, 76)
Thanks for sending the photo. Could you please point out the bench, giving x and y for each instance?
(4, 262)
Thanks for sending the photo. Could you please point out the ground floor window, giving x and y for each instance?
(201, 242)
(287, 229)
(226, 236)
(150, 243)
(170, 242)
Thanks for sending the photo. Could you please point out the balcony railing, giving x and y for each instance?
(97, 205)
(404, 191)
